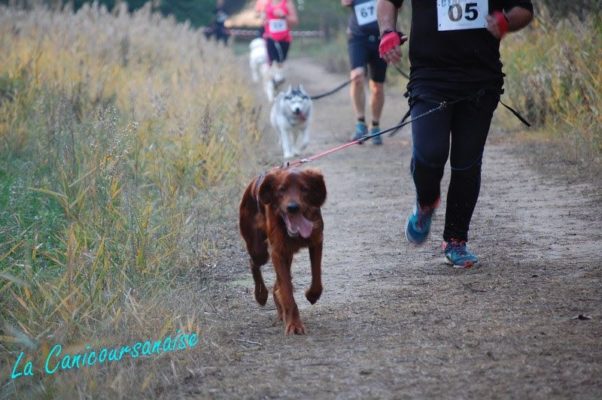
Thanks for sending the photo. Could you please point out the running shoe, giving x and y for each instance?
(457, 254)
(418, 225)
(361, 130)
(377, 140)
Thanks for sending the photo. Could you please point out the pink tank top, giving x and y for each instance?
(277, 28)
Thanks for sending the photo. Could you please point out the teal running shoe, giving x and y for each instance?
(377, 140)
(361, 130)
(418, 225)
(457, 254)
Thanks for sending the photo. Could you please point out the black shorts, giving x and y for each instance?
(277, 50)
(363, 50)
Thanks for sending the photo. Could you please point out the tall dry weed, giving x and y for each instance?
(554, 72)
(115, 129)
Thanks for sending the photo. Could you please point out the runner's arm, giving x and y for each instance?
(292, 17)
(518, 18)
(346, 3)
(386, 13)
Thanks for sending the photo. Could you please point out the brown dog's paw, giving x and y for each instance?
(294, 327)
(261, 295)
(312, 295)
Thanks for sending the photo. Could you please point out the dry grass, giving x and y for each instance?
(554, 74)
(118, 137)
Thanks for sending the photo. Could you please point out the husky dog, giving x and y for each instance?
(258, 59)
(290, 116)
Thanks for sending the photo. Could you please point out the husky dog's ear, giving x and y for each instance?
(289, 90)
(301, 89)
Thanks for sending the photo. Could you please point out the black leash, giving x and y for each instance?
(401, 72)
(348, 81)
(301, 161)
(442, 105)
(336, 89)
(516, 114)
(512, 110)
(394, 129)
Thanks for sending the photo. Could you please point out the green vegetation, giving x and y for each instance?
(119, 142)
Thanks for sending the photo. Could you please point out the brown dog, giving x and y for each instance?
(282, 209)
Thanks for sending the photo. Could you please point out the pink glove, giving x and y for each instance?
(389, 40)
(502, 22)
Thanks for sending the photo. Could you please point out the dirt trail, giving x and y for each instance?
(394, 321)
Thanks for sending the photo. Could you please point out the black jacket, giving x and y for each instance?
(468, 58)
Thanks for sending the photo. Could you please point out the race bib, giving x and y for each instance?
(278, 25)
(453, 15)
(365, 12)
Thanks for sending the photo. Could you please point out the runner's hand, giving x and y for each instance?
(497, 24)
(389, 46)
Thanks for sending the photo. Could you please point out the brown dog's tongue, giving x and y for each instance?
(302, 225)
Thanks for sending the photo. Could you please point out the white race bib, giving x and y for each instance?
(365, 12)
(453, 15)
(277, 25)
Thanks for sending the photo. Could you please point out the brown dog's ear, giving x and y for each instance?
(317, 188)
(266, 190)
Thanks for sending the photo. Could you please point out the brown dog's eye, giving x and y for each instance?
(304, 189)
(281, 189)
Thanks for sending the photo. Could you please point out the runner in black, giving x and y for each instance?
(454, 56)
(363, 39)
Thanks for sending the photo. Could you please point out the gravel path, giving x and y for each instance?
(394, 321)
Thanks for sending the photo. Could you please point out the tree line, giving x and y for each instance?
(314, 14)
(197, 12)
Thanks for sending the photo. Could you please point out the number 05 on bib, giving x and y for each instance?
(453, 15)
